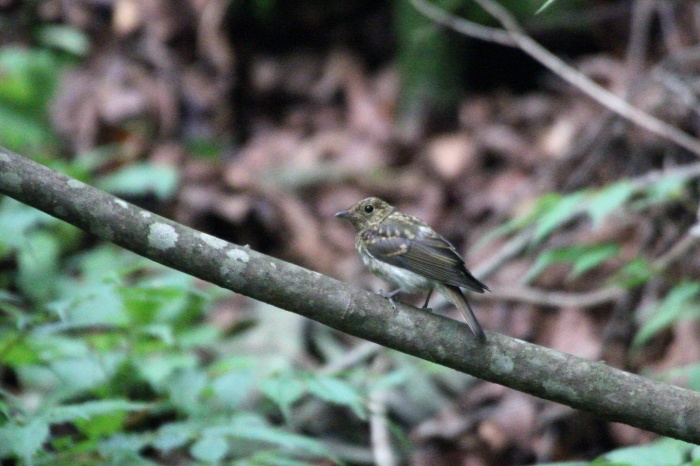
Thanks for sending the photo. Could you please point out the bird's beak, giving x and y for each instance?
(343, 214)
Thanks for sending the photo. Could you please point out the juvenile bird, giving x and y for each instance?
(406, 252)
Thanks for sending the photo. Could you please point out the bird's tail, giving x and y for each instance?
(455, 295)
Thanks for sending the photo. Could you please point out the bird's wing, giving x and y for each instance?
(425, 253)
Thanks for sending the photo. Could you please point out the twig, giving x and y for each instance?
(556, 298)
(510, 250)
(355, 356)
(378, 425)
(642, 13)
(513, 36)
(677, 251)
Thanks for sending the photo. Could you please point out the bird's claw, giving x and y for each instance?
(390, 297)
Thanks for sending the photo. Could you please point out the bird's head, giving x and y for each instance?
(366, 213)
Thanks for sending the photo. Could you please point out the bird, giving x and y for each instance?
(407, 253)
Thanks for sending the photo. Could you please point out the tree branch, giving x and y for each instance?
(610, 393)
(514, 36)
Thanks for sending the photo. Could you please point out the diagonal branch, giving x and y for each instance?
(610, 393)
(514, 36)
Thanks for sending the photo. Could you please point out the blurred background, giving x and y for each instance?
(255, 121)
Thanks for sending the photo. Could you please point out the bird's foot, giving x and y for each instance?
(390, 296)
(425, 304)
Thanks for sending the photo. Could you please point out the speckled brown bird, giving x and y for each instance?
(406, 252)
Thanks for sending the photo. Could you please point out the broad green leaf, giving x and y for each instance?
(210, 448)
(76, 375)
(65, 38)
(174, 435)
(283, 390)
(592, 258)
(17, 219)
(157, 368)
(633, 274)
(337, 391)
(23, 440)
(667, 188)
(561, 212)
(681, 302)
(251, 428)
(582, 258)
(185, 388)
(154, 304)
(283, 439)
(92, 304)
(16, 351)
(140, 180)
(68, 413)
(660, 453)
(234, 389)
(608, 200)
(542, 261)
(21, 132)
(690, 372)
(28, 78)
(102, 425)
(38, 266)
(124, 446)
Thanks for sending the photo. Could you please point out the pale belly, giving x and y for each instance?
(409, 281)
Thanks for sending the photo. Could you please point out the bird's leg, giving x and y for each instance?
(390, 296)
(425, 305)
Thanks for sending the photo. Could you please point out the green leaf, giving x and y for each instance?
(17, 219)
(559, 213)
(337, 391)
(593, 257)
(251, 428)
(76, 375)
(662, 452)
(234, 388)
(65, 38)
(681, 302)
(23, 441)
(155, 304)
(27, 79)
(185, 388)
(69, 413)
(140, 180)
(102, 425)
(283, 439)
(667, 188)
(174, 435)
(210, 448)
(283, 390)
(583, 259)
(544, 6)
(125, 447)
(92, 304)
(608, 200)
(156, 369)
(38, 266)
(633, 274)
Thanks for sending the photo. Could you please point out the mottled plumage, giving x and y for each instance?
(406, 252)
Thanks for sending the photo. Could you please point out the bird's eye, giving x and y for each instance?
(369, 208)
